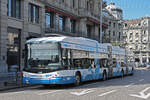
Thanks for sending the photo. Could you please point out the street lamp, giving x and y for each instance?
(101, 34)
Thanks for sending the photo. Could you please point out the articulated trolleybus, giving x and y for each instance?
(72, 60)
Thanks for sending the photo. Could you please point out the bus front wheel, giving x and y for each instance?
(77, 80)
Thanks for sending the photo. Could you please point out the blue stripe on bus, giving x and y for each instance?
(115, 74)
(57, 80)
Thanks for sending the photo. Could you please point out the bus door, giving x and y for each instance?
(97, 69)
(91, 70)
(67, 62)
(124, 67)
(87, 69)
(104, 67)
(115, 67)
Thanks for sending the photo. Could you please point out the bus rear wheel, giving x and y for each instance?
(77, 80)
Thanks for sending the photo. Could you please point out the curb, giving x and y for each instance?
(14, 87)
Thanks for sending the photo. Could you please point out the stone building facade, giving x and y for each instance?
(137, 38)
(113, 17)
(21, 20)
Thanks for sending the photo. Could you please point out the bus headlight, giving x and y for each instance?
(25, 75)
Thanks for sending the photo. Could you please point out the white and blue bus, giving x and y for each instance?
(72, 60)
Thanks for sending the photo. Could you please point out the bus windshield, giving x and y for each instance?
(43, 56)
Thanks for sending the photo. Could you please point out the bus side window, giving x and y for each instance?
(92, 63)
(122, 64)
(114, 64)
(85, 63)
(105, 63)
(77, 63)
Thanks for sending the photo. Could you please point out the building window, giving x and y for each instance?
(119, 25)
(137, 35)
(73, 26)
(130, 36)
(114, 25)
(87, 5)
(61, 23)
(125, 25)
(49, 20)
(136, 47)
(109, 23)
(113, 33)
(14, 8)
(13, 48)
(33, 13)
(144, 32)
(109, 33)
(89, 34)
(119, 36)
(73, 3)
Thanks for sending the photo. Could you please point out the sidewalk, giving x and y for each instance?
(10, 81)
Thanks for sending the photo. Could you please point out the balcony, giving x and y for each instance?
(86, 13)
(63, 31)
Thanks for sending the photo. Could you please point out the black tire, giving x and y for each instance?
(104, 76)
(46, 85)
(77, 79)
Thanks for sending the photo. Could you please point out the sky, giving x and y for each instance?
(133, 9)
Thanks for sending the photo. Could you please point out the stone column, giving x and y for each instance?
(68, 2)
(42, 20)
(77, 27)
(97, 32)
(68, 24)
(3, 36)
(56, 22)
(82, 27)
(24, 32)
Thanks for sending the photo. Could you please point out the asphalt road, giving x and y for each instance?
(136, 87)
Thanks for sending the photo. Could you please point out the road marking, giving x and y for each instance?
(142, 94)
(91, 86)
(130, 85)
(45, 93)
(103, 94)
(82, 92)
(141, 80)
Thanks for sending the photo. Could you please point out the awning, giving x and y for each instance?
(61, 13)
(97, 22)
